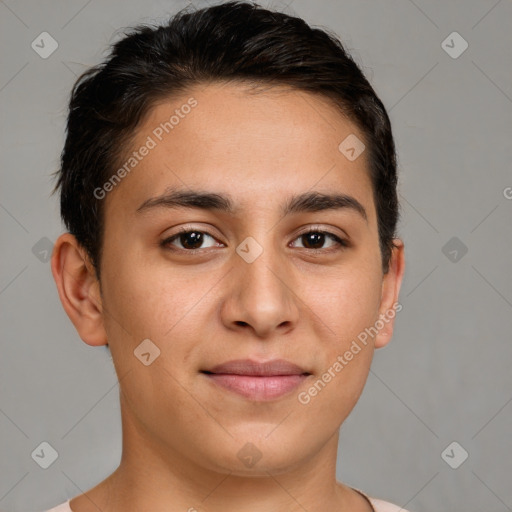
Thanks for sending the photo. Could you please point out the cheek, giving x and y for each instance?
(346, 303)
(156, 303)
(346, 306)
(141, 297)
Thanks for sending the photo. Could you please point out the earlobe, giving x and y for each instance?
(390, 306)
(78, 289)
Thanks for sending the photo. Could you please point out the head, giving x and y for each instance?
(198, 156)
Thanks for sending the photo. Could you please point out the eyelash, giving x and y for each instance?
(341, 243)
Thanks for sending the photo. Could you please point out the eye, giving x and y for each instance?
(189, 240)
(315, 239)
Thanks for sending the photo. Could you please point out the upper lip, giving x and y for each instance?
(250, 367)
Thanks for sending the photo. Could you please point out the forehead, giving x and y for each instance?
(256, 146)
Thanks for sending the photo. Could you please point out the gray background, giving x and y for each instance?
(445, 376)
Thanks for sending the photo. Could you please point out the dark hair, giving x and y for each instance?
(230, 42)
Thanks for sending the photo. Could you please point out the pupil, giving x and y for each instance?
(316, 238)
(194, 238)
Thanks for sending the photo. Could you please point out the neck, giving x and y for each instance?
(161, 479)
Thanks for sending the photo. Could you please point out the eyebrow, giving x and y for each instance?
(305, 202)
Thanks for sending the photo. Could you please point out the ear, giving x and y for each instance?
(389, 304)
(79, 289)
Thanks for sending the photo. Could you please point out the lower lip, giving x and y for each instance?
(258, 388)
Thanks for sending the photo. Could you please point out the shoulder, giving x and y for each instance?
(63, 507)
(384, 506)
(380, 505)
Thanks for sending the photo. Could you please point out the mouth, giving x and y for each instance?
(257, 381)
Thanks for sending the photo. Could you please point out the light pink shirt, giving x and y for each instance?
(378, 505)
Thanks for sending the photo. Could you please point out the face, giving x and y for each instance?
(252, 273)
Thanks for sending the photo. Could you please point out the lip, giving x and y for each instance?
(258, 381)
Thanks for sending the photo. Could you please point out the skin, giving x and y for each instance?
(181, 433)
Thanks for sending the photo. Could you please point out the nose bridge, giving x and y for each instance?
(261, 295)
(260, 268)
(262, 271)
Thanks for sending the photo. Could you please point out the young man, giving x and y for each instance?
(228, 182)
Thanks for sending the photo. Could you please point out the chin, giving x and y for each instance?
(258, 454)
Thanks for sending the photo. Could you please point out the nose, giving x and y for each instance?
(261, 296)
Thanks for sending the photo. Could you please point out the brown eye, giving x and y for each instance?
(189, 240)
(315, 240)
